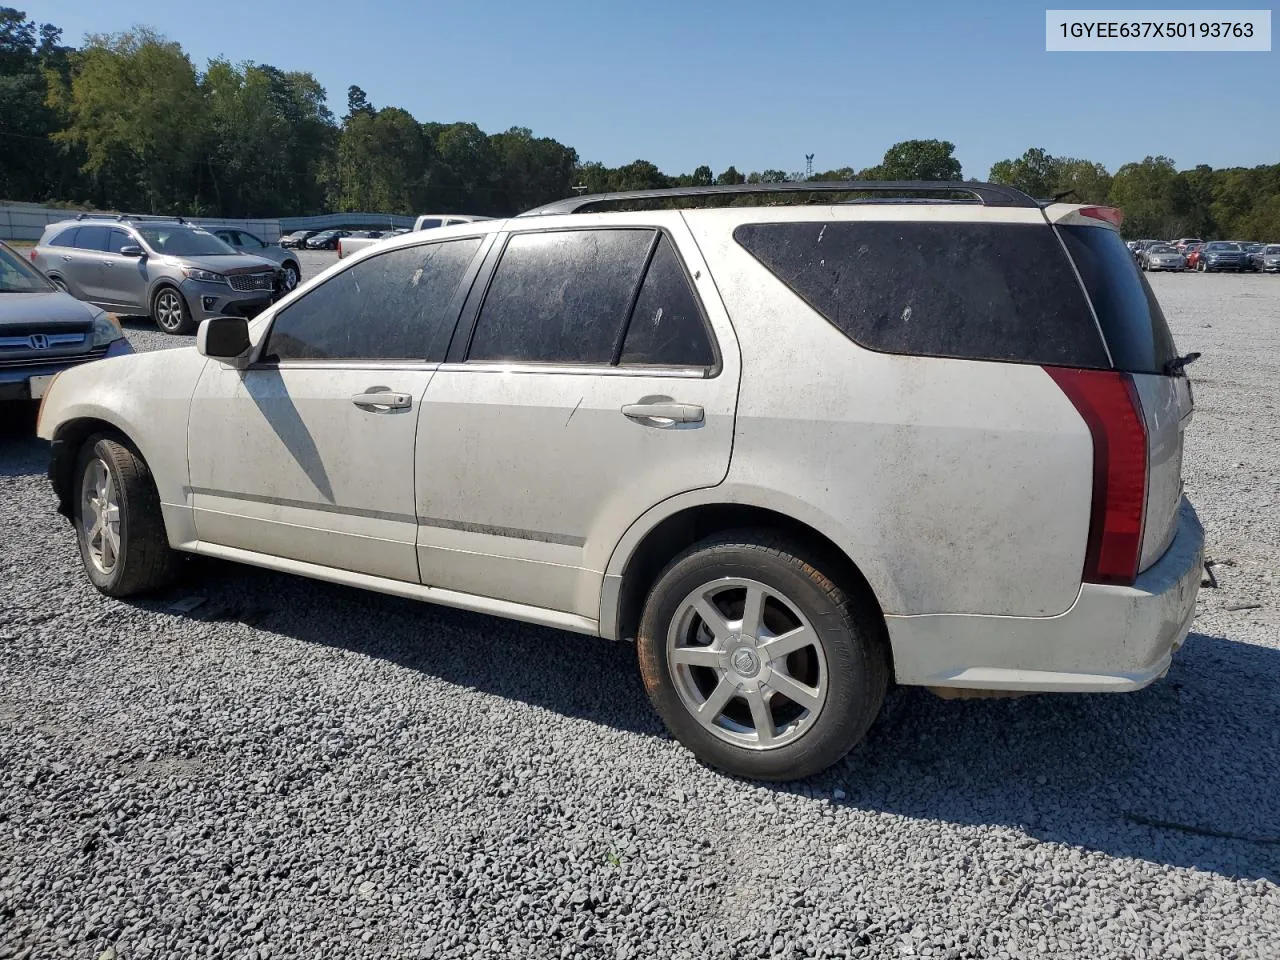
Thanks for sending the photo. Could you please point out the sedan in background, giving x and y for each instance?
(1271, 258)
(1253, 254)
(1161, 256)
(44, 330)
(297, 239)
(1192, 253)
(242, 241)
(326, 239)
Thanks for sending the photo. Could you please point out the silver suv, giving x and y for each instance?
(176, 273)
(794, 453)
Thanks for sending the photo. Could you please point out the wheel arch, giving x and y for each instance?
(671, 527)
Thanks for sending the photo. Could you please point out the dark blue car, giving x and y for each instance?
(44, 330)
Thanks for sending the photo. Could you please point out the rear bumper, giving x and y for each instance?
(1112, 638)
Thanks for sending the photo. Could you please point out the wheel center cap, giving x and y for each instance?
(745, 662)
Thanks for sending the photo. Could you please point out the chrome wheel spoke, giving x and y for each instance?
(795, 691)
(696, 657)
(779, 648)
(753, 612)
(100, 516)
(716, 701)
(762, 717)
(715, 621)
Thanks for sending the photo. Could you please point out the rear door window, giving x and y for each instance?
(561, 296)
(1130, 316)
(667, 327)
(394, 306)
(93, 238)
(974, 291)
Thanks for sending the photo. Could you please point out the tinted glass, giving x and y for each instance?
(394, 306)
(1127, 309)
(117, 239)
(666, 326)
(428, 224)
(978, 291)
(1161, 248)
(228, 236)
(180, 241)
(93, 238)
(67, 238)
(560, 297)
(250, 241)
(17, 276)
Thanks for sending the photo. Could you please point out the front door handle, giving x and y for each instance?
(66, 258)
(670, 412)
(382, 400)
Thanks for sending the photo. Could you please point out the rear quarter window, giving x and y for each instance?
(974, 291)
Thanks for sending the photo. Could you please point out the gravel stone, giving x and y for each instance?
(293, 770)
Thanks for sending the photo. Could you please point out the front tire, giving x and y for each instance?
(118, 522)
(170, 313)
(758, 661)
(292, 275)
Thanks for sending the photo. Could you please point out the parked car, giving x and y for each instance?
(164, 267)
(1253, 255)
(1185, 242)
(326, 240)
(1192, 255)
(297, 239)
(429, 221)
(963, 471)
(1219, 255)
(1162, 256)
(44, 330)
(1271, 258)
(243, 241)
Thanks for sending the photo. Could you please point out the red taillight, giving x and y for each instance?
(1108, 402)
(1113, 215)
(31, 255)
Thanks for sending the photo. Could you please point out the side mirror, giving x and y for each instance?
(132, 250)
(225, 339)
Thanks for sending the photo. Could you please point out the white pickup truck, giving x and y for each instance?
(428, 221)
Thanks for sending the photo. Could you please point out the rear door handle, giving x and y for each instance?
(672, 412)
(382, 400)
(66, 258)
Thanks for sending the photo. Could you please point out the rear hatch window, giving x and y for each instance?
(973, 291)
(1130, 316)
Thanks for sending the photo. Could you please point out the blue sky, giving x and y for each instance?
(747, 83)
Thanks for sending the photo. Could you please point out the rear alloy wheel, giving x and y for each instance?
(60, 284)
(118, 522)
(169, 311)
(757, 661)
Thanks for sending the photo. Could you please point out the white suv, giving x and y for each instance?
(794, 452)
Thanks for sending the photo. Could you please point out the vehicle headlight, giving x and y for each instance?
(208, 276)
(106, 329)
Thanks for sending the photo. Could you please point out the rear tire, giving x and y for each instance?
(757, 660)
(119, 526)
(170, 312)
(59, 283)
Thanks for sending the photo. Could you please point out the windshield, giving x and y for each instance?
(1220, 246)
(180, 241)
(17, 276)
(1162, 248)
(1273, 249)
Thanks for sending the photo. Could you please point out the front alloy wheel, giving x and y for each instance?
(170, 313)
(291, 277)
(100, 517)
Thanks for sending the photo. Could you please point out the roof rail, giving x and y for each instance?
(988, 194)
(126, 216)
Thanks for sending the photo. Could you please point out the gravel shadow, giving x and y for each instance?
(1185, 773)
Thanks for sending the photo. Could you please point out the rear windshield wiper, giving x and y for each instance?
(1178, 363)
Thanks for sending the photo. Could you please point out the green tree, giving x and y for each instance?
(31, 56)
(1036, 172)
(1145, 192)
(134, 106)
(919, 160)
(1089, 181)
(531, 170)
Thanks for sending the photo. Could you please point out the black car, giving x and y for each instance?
(1218, 255)
(326, 239)
(1253, 255)
(297, 239)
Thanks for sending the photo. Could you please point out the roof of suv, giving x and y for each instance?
(986, 194)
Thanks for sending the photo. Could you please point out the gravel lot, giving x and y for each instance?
(300, 770)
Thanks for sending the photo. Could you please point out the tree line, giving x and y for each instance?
(128, 122)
